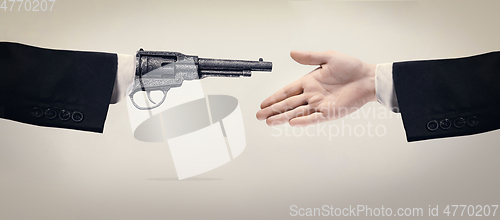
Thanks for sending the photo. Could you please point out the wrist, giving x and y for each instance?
(369, 70)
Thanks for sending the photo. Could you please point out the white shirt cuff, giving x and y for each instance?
(124, 77)
(384, 87)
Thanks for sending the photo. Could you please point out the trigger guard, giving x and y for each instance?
(152, 107)
(135, 104)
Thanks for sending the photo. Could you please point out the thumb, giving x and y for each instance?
(310, 58)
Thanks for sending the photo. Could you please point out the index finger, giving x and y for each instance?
(292, 89)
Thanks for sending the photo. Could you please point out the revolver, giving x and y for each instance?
(159, 71)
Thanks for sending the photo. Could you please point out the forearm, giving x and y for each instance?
(442, 98)
(56, 88)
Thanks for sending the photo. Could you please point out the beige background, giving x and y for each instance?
(54, 174)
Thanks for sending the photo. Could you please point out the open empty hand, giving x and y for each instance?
(339, 86)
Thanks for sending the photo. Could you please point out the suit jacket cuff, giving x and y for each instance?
(448, 97)
(56, 88)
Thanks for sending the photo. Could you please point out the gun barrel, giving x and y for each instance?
(225, 73)
(238, 65)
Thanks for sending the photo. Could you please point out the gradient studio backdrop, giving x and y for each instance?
(48, 173)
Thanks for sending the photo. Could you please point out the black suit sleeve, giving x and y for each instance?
(451, 97)
(56, 88)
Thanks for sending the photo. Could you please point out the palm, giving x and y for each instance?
(340, 86)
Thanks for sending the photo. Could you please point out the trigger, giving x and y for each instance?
(149, 97)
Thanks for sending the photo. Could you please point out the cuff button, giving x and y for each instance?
(77, 116)
(37, 112)
(64, 115)
(459, 122)
(50, 114)
(473, 121)
(445, 124)
(432, 125)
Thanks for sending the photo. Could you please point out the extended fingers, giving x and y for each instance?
(289, 115)
(281, 107)
(292, 89)
(310, 119)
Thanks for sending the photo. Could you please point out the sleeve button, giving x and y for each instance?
(50, 114)
(37, 112)
(77, 116)
(64, 115)
(432, 125)
(459, 122)
(445, 124)
(473, 121)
